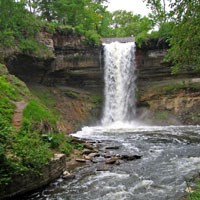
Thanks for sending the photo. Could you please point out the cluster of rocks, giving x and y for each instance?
(103, 159)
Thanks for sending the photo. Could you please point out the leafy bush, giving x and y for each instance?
(66, 148)
(141, 37)
(6, 109)
(49, 27)
(8, 89)
(7, 38)
(31, 151)
(20, 153)
(35, 113)
(55, 139)
(6, 139)
(29, 45)
(79, 146)
(59, 141)
(92, 37)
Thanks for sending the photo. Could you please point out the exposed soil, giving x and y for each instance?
(18, 114)
(74, 107)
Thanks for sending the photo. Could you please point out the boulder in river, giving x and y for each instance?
(130, 157)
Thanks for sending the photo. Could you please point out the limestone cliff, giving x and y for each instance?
(72, 62)
(164, 98)
(76, 64)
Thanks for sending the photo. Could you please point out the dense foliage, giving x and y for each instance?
(184, 32)
(21, 20)
(31, 147)
(185, 43)
(16, 23)
(123, 23)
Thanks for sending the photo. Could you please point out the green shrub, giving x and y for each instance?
(6, 139)
(50, 27)
(79, 146)
(92, 37)
(59, 141)
(7, 89)
(56, 140)
(7, 38)
(141, 37)
(31, 151)
(6, 110)
(97, 99)
(29, 45)
(66, 148)
(36, 112)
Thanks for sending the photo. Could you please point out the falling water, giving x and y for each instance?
(119, 76)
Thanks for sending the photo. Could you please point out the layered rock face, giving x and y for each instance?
(77, 64)
(152, 65)
(72, 63)
(164, 98)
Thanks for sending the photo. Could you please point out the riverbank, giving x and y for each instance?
(33, 121)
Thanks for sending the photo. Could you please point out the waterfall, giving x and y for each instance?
(119, 77)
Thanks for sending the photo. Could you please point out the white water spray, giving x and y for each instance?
(119, 76)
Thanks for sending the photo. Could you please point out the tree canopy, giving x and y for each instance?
(183, 33)
(124, 23)
(20, 20)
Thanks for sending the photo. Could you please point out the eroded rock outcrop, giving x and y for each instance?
(165, 98)
(70, 62)
(32, 181)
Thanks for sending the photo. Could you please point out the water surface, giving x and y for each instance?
(170, 158)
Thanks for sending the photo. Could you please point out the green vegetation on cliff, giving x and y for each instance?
(32, 146)
(183, 32)
(22, 20)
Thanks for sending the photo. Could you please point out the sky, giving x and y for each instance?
(136, 6)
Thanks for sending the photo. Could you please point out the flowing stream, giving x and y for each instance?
(170, 154)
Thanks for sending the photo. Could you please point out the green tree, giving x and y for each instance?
(185, 43)
(124, 24)
(16, 23)
(159, 14)
(184, 33)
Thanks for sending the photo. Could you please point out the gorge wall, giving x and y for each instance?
(72, 63)
(162, 97)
